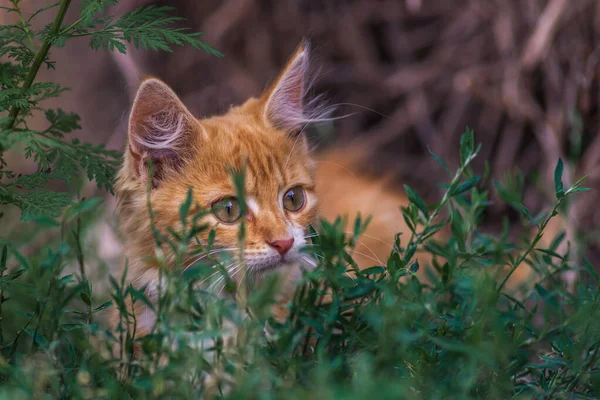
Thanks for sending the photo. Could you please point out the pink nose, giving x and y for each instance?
(282, 246)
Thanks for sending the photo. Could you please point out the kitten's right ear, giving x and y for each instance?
(160, 129)
(284, 102)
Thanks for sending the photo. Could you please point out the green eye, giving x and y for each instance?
(227, 210)
(293, 199)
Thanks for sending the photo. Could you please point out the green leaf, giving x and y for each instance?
(372, 271)
(3, 258)
(61, 122)
(211, 238)
(184, 209)
(548, 297)
(148, 27)
(550, 253)
(591, 270)
(439, 161)
(239, 183)
(86, 205)
(139, 295)
(196, 271)
(416, 200)
(102, 306)
(466, 185)
(512, 199)
(39, 203)
(92, 8)
(558, 185)
(85, 298)
(467, 146)
(414, 267)
(45, 222)
(33, 181)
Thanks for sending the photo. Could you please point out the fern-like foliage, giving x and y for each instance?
(26, 50)
(147, 27)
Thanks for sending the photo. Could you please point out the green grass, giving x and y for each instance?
(386, 333)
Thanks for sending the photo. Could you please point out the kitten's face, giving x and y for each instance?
(264, 134)
(279, 187)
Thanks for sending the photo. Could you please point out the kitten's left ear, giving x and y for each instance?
(284, 100)
(160, 129)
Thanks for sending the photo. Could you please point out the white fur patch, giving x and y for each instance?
(253, 205)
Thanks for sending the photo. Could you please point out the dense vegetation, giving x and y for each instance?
(382, 331)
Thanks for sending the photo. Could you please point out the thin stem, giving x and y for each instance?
(70, 27)
(24, 24)
(132, 348)
(81, 262)
(2, 269)
(39, 58)
(415, 240)
(535, 241)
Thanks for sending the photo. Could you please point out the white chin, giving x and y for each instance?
(273, 266)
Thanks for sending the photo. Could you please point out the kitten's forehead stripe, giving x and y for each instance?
(265, 173)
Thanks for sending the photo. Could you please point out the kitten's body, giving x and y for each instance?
(266, 136)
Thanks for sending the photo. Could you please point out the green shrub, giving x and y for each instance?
(384, 333)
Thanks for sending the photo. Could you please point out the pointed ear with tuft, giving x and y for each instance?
(160, 130)
(285, 108)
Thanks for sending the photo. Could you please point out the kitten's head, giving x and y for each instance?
(264, 134)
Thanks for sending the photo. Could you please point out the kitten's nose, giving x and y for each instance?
(282, 246)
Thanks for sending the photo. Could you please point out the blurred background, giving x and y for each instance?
(523, 74)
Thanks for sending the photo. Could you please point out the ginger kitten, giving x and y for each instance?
(265, 134)
(286, 189)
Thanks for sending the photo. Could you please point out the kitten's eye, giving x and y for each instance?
(293, 199)
(227, 210)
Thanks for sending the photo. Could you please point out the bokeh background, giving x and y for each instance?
(523, 74)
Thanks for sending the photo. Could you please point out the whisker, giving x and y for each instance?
(311, 235)
(309, 261)
(215, 283)
(294, 146)
(372, 237)
(339, 166)
(213, 251)
(233, 272)
(218, 271)
(204, 255)
(241, 279)
(149, 271)
(362, 107)
(376, 259)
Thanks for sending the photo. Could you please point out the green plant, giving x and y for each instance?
(349, 334)
(457, 335)
(57, 158)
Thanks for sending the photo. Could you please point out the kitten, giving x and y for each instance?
(283, 181)
(265, 134)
